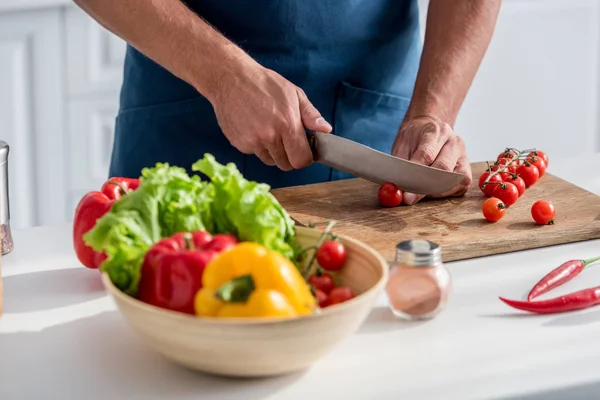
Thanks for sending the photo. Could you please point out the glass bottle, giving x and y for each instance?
(419, 284)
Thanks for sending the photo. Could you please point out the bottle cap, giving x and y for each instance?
(418, 253)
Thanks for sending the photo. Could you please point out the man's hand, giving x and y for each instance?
(431, 142)
(259, 111)
(262, 113)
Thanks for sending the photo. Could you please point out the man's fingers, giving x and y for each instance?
(411, 198)
(297, 147)
(449, 154)
(265, 157)
(277, 152)
(463, 166)
(311, 117)
(434, 137)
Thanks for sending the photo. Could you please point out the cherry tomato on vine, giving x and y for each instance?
(543, 212)
(389, 195)
(539, 163)
(321, 298)
(493, 209)
(339, 295)
(322, 281)
(511, 165)
(489, 188)
(507, 193)
(519, 184)
(529, 173)
(331, 255)
(540, 154)
(502, 161)
(506, 154)
(507, 176)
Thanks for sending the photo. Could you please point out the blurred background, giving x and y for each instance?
(60, 75)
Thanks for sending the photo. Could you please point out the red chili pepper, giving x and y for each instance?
(574, 301)
(172, 269)
(564, 273)
(92, 207)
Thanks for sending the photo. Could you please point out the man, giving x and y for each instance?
(242, 79)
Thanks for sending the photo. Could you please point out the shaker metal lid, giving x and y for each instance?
(418, 253)
(4, 148)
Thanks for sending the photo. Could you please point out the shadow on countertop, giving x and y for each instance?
(106, 360)
(45, 290)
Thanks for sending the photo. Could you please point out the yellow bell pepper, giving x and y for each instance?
(250, 280)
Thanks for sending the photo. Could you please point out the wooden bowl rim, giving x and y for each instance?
(377, 287)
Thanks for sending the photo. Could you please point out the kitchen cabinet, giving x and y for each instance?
(60, 75)
(32, 115)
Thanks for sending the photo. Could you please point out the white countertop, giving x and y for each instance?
(62, 338)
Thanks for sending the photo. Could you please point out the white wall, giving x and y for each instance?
(60, 74)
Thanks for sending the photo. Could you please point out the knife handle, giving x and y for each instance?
(312, 142)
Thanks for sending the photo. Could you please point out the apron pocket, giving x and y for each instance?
(178, 133)
(368, 117)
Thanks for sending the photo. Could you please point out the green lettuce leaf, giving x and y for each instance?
(247, 209)
(167, 201)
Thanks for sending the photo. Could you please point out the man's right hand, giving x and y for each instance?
(260, 112)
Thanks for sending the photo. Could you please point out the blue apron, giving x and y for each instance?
(356, 60)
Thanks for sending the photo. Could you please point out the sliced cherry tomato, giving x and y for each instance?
(493, 209)
(519, 184)
(389, 195)
(529, 173)
(322, 281)
(331, 255)
(507, 193)
(489, 187)
(321, 298)
(543, 212)
(539, 163)
(540, 154)
(339, 295)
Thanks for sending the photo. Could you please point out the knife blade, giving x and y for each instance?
(378, 167)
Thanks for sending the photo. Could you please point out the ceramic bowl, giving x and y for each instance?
(259, 348)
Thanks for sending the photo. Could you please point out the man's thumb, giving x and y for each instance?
(311, 117)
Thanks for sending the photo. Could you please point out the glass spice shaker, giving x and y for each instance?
(419, 284)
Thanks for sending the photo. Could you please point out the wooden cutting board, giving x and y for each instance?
(456, 223)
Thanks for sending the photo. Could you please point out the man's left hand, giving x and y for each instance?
(428, 141)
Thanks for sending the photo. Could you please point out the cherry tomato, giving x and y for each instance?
(389, 195)
(491, 185)
(519, 184)
(322, 281)
(502, 161)
(529, 173)
(506, 154)
(507, 176)
(339, 295)
(543, 212)
(331, 255)
(539, 163)
(507, 193)
(321, 298)
(493, 209)
(540, 154)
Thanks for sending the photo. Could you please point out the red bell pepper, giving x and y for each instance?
(92, 207)
(172, 269)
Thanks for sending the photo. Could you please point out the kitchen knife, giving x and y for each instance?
(378, 167)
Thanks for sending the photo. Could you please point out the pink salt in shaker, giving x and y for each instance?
(419, 284)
